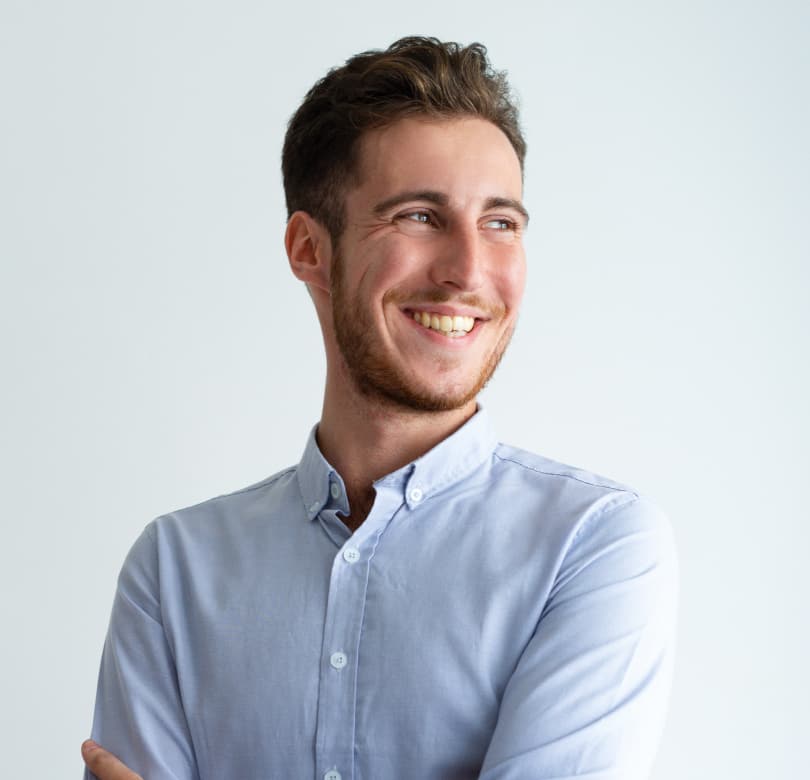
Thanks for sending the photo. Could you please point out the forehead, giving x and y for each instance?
(467, 158)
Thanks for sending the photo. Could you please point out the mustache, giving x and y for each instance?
(435, 295)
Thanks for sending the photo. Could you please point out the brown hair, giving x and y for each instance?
(413, 76)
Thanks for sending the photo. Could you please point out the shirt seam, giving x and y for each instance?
(613, 487)
(267, 482)
(609, 505)
(157, 621)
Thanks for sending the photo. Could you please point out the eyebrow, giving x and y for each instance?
(509, 203)
(431, 196)
(440, 199)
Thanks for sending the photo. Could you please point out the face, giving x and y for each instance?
(429, 273)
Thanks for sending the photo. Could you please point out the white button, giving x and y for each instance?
(334, 489)
(338, 660)
(332, 774)
(415, 495)
(351, 555)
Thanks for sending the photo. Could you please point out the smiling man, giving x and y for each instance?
(413, 599)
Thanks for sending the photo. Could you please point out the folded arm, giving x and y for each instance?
(589, 695)
(139, 713)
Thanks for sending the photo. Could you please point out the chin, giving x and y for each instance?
(406, 396)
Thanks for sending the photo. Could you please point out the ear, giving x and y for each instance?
(309, 250)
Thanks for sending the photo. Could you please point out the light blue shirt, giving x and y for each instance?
(497, 615)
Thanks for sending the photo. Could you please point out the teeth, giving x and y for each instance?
(444, 323)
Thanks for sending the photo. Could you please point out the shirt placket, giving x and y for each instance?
(337, 690)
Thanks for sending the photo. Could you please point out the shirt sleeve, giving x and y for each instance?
(139, 713)
(588, 697)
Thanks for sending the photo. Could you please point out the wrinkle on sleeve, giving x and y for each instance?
(588, 697)
(139, 714)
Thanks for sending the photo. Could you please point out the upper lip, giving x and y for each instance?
(446, 309)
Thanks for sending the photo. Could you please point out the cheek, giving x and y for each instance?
(511, 282)
(520, 285)
(366, 275)
(399, 268)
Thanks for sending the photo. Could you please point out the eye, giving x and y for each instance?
(417, 221)
(501, 223)
(421, 217)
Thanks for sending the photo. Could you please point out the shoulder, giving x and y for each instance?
(547, 471)
(588, 510)
(215, 524)
(243, 503)
(219, 529)
(258, 491)
(555, 488)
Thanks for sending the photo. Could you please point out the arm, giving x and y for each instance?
(588, 697)
(139, 714)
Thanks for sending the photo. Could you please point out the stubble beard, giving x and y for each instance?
(380, 379)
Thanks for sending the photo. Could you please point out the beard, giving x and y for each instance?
(380, 378)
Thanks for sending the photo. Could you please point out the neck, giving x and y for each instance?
(365, 439)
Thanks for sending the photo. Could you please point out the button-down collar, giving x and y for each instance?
(321, 486)
(449, 461)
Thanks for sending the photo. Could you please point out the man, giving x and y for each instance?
(413, 599)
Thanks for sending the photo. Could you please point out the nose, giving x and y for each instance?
(459, 264)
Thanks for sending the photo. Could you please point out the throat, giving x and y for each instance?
(360, 503)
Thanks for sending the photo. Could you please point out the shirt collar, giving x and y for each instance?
(320, 484)
(449, 461)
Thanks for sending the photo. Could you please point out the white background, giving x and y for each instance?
(157, 351)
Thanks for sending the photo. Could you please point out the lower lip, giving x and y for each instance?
(448, 342)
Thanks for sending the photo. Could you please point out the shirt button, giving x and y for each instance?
(334, 489)
(351, 555)
(415, 495)
(338, 660)
(332, 774)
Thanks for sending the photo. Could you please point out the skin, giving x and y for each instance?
(105, 765)
(435, 224)
(452, 232)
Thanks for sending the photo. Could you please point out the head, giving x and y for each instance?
(414, 77)
(403, 177)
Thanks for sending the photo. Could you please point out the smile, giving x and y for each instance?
(454, 327)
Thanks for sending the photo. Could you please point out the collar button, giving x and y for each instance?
(415, 495)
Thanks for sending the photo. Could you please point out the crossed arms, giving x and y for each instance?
(587, 697)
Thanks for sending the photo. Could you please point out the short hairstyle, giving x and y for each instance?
(415, 76)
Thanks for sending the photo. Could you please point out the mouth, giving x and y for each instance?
(452, 326)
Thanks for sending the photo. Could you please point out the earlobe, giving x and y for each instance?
(309, 250)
